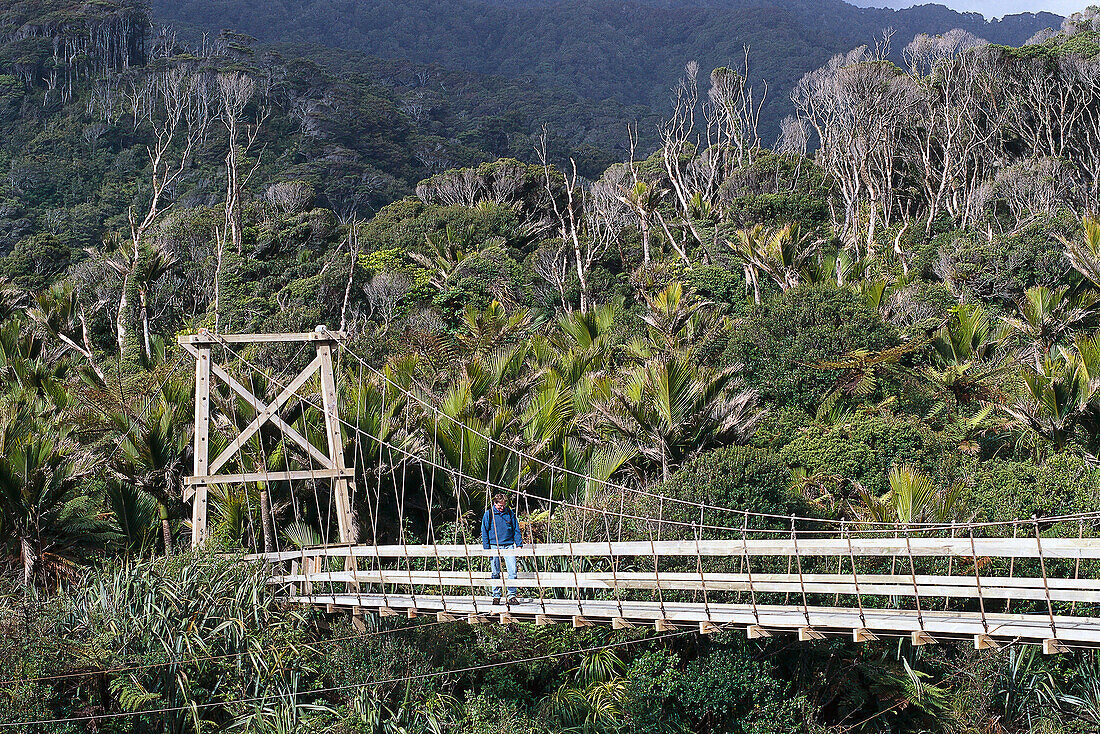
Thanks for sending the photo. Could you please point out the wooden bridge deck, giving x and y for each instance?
(813, 623)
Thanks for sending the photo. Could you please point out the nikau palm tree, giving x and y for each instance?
(47, 521)
(780, 253)
(671, 409)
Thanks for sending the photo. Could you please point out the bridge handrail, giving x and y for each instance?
(1072, 548)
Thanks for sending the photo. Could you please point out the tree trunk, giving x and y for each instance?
(165, 528)
(265, 520)
(29, 558)
(120, 323)
(88, 353)
(143, 296)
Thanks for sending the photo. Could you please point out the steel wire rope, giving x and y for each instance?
(352, 686)
(377, 507)
(1077, 564)
(855, 575)
(801, 580)
(1011, 566)
(617, 591)
(913, 574)
(978, 581)
(748, 571)
(401, 512)
(429, 496)
(489, 510)
(699, 567)
(950, 568)
(677, 500)
(461, 523)
(880, 526)
(352, 562)
(531, 527)
(1046, 584)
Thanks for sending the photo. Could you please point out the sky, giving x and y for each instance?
(992, 8)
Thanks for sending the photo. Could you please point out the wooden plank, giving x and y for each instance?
(965, 587)
(756, 632)
(579, 621)
(506, 618)
(1054, 646)
(862, 634)
(619, 623)
(386, 612)
(202, 444)
(272, 476)
(543, 620)
(807, 634)
(709, 628)
(205, 337)
(919, 637)
(1069, 548)
(262, 416)
(411, 613)
(445, 617)
(344, 518)
(1029, 628)
(985, 642)
(475, 619)
(662, 625)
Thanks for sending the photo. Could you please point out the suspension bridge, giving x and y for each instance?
(595, 551)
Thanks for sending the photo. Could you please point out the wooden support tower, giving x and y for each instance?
(331, 462)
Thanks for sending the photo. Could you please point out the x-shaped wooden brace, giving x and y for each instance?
(265, 413)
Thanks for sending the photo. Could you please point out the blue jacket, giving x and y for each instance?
(500, 528)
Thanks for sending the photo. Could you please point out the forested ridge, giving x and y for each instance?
(887, 311)
(627, 51)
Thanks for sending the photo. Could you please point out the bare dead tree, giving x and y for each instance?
(384, 294)
(861, 106)
(693, 178)
(568, 215)
(551, 263)
(174, 137)
(733, 117)
(289, 197)
(235, 91)
(353, 251)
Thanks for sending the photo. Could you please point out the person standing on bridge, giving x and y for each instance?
(500, 529)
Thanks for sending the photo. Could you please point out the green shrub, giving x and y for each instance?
(738, 477)
(1005, 490)
(729, 691)
(781, 342)
(863, 448)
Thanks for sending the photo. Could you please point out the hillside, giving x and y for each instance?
(630, 51)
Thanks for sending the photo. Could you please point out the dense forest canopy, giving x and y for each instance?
(887, 309)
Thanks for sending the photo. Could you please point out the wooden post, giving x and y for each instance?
(348, 532)
(265, 521)
(202, 445)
